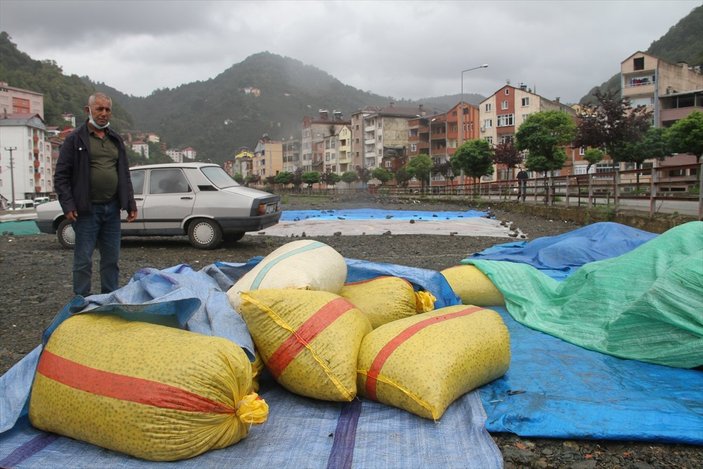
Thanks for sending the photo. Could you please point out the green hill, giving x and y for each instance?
(62, 94)
(220, 115)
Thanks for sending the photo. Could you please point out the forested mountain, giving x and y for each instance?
(264, 94)
(682, 43)
(62, 93)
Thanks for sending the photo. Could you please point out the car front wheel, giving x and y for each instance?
(205, 234)
(66, 235)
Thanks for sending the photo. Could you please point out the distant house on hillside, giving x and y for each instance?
(141, 147)
(189, 153)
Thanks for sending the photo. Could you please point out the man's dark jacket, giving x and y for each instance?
(72, 175)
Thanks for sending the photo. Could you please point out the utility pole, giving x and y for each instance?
(12, 174)
(460, 140)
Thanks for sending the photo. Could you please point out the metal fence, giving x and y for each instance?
(657, 189)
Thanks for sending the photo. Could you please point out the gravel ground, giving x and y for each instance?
(35, 275)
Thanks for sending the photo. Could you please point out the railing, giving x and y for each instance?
(665, 189)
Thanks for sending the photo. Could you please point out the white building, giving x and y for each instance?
(141, 147)
(25, 158)
(175, 155)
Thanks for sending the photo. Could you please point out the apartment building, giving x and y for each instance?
(140, 147)
(268, 157)
(242, 163)
(337, 151)
(20, 101)
(26, 169)
(291, 155)
(380, 134)
(650, 81)
(502, 114)
(314, 132)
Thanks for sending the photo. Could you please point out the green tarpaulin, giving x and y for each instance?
(646, 304)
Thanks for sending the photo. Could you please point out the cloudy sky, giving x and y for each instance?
(403, 49)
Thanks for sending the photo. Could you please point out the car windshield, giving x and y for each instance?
(218, 177)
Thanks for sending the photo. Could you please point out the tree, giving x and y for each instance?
(593, 156)
(686, 135)
(350, 177)
(284, 178)
(330, 178)
(252, 179)
(382, 174)
(444, 169)
(544, 135)
(310, 178)
(239, 178)
(402, 177)
(297, 178)
(506, 154)
(474, 158)
(612, 124)
(419, 167)
(364, 174)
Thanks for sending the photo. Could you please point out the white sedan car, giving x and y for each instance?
(199, 200)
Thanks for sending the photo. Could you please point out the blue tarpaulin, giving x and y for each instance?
(558, 256)
(378, 214)
(553, 389)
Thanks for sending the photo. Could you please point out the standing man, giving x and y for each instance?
(522, 178)
(93, 184)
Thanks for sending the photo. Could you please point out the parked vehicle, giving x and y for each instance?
(199, 200)
(41, 200)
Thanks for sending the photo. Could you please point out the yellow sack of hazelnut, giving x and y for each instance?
(150, 391)
(385, 299)
(308, 340)
(473, 286)
(424, 363)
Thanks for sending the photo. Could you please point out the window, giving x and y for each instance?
(638, 63)
(525, 101)
(489, 107)
(413, 147)
(582, 151)
(504, 104)
(167, 181)
(489, 140)
(137, 181)
(505, 120)
(506, 139)
(641, 81)
(488, 123)
(507, 91)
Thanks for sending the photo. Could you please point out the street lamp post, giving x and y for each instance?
(12, 174)
(461, 103)
(461, 114)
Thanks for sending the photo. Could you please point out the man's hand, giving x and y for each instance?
(131, 215)
(72, 215)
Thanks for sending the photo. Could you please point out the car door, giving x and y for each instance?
(169, 200)
(137, 226)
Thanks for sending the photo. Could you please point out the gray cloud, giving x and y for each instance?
(404, 49)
